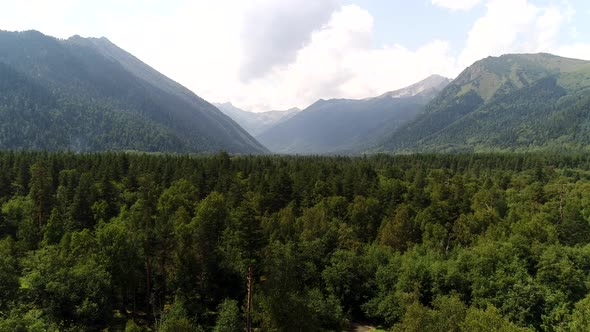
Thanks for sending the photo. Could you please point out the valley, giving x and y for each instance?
(130, 203)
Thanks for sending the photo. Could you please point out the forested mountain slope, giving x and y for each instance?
(89, 95)
(348, 125)
(520, 102)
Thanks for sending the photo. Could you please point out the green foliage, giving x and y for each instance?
(9, 283)
(229, 318)
(21, 320)
(490, 319)
(579, 320)
(402, 230)
(411, 243)
(446, 316)
(131, 326)
(176, 319)
(69, 280)
(18, 218)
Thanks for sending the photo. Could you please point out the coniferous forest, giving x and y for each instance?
(137, 242)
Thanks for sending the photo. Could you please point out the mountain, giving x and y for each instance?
(515, 102)
(256, 123)
(425, 88)
(87, 94)
(344, 126)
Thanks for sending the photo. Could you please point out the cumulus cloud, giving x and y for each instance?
(274, 30)
(512, 26)
(340, 61)
(456, 4)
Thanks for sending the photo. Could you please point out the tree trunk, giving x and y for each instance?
(249, 302)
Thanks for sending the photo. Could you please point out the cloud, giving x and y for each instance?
(32, 14)
(340, 61)
(335, 57)
(64, 18)
(196, 43)
(512, 26)
(577, 51)
(456, 4)
(274, 30)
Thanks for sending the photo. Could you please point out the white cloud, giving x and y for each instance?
(512, 26)
(33, 14)
(341, 62)
(577, 51)
(274, 30)
(338, 61)
(456, 4)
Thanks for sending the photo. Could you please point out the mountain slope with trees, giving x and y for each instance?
(519, 102)
(347, 126)
(86, 94)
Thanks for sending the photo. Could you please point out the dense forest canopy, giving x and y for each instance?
(409, 243)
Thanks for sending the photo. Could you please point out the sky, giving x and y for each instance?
(276, 54)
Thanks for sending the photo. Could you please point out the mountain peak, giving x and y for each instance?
(95, 91)
(226, 104)
(510, 102)
(431, 84)
(509, 71)
(100, 44)
(255, 123)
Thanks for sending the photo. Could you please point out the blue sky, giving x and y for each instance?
(425, 21)
(414, 23)
(276, 54)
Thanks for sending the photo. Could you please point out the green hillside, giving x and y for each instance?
(89, 95)
(524, 102)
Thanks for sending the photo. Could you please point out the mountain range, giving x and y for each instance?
(87, 94)
(256, 123)
(511, 103)
(348, 126)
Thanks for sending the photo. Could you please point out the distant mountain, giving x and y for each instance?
(345, 126)
(256, 123)
(87, 94)
(519, 102)
(425, 88)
